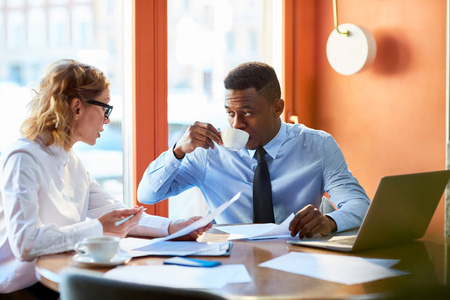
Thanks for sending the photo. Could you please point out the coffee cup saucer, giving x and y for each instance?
(119, 259)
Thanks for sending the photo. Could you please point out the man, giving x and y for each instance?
(303, 163)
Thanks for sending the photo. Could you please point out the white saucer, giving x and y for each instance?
(119, 259)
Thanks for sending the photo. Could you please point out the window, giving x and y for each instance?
(15, 30)
(82, 28)
(36, 26)
(40, 32)
(206, 39)
(59, 27)
(2, 34)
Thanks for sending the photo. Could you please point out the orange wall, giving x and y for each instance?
(389, 119)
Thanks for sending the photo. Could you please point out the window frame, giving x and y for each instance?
(150, 91)
(149, 108)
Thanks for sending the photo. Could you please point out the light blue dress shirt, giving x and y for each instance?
(303, 165)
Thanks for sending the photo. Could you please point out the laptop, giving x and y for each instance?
(401, 211)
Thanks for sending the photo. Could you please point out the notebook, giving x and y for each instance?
(401, 211)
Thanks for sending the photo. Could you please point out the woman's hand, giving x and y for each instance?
(176, 225)
(108, 221)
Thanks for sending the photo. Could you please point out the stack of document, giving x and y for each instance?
(142, 247)
(162, 246)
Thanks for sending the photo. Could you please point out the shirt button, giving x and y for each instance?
(160, 181)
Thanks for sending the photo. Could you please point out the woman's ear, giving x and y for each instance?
(76, 107)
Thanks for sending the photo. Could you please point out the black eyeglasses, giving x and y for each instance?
(108, 108)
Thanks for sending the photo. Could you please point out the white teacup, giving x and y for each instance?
(100, 249)
(234, 139)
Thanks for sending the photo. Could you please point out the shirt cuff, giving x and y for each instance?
(155, 226)
(86, 229)
(329, 217)
(340, 222)
(170, 160)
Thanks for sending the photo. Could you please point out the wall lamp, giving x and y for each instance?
(351, 49)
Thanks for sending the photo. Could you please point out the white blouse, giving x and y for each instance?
(48, 203)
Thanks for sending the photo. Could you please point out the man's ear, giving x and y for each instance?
(76, 107)
(278, 107)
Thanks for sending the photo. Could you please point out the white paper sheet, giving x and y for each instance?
(258, 231)
(337, 268)
(182, 277)
(200, 223)
(142, 247)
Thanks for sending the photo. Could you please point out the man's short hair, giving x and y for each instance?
(256, 75)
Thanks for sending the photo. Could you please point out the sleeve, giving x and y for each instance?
(101, 202)
(153, 226)
(28, 236)
(344, 189)
(168, 176)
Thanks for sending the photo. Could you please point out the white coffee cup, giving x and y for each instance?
(234, 139)
(100, 249)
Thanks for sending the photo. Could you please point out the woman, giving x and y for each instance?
(48, 199)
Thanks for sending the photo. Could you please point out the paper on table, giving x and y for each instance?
(258, 231)
(181, 277)
(338, 268)
(136, 247)
(240, 273)
(386, 263)
(200, 223)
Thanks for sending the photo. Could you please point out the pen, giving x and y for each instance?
(123, 220)
(120, 222)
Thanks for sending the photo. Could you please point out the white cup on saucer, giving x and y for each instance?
(234, 139)
(100, 249)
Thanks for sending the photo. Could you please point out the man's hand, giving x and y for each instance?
(109, 219)
(310, 221)
(176, 225)
(197, 135)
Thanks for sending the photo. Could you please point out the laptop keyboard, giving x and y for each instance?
(342, 241)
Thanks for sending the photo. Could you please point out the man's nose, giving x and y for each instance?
(238, 122)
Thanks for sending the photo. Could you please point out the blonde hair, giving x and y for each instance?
(50, 108)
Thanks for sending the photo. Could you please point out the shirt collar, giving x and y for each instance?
(274, 145)
(59, 152)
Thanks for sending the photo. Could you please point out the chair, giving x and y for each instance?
(326, 206)
(79, 284)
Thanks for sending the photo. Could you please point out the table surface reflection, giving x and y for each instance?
(426, 260)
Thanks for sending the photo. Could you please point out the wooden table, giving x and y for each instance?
(427, 260)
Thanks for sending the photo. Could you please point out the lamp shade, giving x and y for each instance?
(352, 53)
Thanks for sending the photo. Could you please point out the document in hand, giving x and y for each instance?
(258, 231)
(198, 224)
